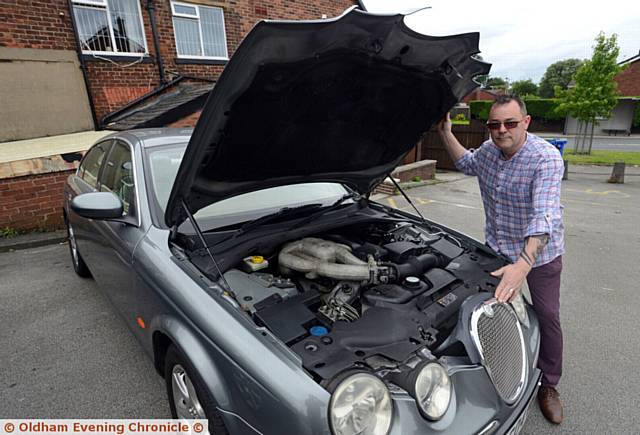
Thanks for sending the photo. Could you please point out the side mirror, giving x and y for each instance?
(97, 205)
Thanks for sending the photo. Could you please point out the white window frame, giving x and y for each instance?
(104, 5)
(180, 14)
(197, 18)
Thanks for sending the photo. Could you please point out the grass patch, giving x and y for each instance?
(602, 157)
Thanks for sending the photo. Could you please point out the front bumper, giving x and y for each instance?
(515, 422)
(475, 407)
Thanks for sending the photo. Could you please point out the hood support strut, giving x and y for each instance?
(204, 242)
(395, 183)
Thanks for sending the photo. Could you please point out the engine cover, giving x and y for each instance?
(380, 331)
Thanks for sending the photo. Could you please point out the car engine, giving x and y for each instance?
(372, 295)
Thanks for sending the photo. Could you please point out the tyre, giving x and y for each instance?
(79, 266)
(188, 396)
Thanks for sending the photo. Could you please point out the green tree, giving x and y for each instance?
(523, 87)
(558, 74)
(595, 91)
(496, 83)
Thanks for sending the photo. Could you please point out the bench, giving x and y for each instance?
(615, 131)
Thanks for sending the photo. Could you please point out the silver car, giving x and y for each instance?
(271, 293)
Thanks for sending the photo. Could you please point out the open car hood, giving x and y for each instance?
(338, 100)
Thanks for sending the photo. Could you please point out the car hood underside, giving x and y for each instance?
(339, 100)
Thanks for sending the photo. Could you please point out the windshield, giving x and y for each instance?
(164, 163)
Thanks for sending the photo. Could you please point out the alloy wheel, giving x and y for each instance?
(185, 398)
(73, 246)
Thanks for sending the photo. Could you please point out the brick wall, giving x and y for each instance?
(32, 201)
(629, 80)
(36, 24)
(47, 24)
(187, 121)
(240, 16)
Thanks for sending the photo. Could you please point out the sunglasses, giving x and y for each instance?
(509, 125)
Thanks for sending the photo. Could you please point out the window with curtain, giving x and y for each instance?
(199, 31)
(110, 26)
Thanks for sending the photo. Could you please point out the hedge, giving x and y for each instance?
(544, 108)
(538, 108)
(636, 116)
(480, 109)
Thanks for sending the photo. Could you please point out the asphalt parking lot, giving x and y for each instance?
(65, 353)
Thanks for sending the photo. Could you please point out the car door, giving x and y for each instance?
(117, 239)
(86, 180)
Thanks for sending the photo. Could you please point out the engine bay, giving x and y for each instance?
(368, 295)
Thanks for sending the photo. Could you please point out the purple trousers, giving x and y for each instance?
(544, 285)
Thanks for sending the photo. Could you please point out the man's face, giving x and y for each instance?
(509, 140)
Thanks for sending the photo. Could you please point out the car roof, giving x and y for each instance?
(152, 137)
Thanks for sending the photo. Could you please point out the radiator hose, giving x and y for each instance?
(416, 266)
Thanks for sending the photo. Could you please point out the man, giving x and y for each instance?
(520, 176)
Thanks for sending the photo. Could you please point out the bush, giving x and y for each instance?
(538, 108)
(480, 109)
(636, 116)
(544, 108)
(7, 232)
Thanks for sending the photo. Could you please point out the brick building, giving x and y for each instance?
(629, 79)
(126, 49)
(621, 119)
(483, 94)
(82, 65)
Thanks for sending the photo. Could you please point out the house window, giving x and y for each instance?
(110, 26)
(199, 31)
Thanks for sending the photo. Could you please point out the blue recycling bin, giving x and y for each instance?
(558, 143)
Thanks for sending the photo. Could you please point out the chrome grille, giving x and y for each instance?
(496, 331)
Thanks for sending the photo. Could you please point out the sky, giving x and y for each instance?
(522, 38)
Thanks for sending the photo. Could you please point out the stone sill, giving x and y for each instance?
(425, 169)
(187, 61)
(39, 165)
(88, 57)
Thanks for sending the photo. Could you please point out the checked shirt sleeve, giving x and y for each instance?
(467, 163)
(545, 196)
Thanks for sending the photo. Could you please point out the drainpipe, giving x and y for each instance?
(151, 7)
(83, 67)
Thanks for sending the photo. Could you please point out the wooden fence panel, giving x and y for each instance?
(470, 136)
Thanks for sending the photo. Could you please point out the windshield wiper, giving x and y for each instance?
(351, 195)
(284, 211)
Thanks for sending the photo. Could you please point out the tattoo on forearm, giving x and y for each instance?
(526, 258)
(539, 241)
(542, 239)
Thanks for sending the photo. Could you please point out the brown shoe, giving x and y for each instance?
(550, 405)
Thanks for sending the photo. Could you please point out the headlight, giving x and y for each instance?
(433, 391)
(521, 309)
(361, 404)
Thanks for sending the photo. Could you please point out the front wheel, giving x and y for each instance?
(188, 396)
(79, 266)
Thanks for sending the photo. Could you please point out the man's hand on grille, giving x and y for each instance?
(513, 277)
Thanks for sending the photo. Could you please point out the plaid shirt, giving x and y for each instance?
(521, 195)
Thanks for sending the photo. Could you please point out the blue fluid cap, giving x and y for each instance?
(318, 331)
